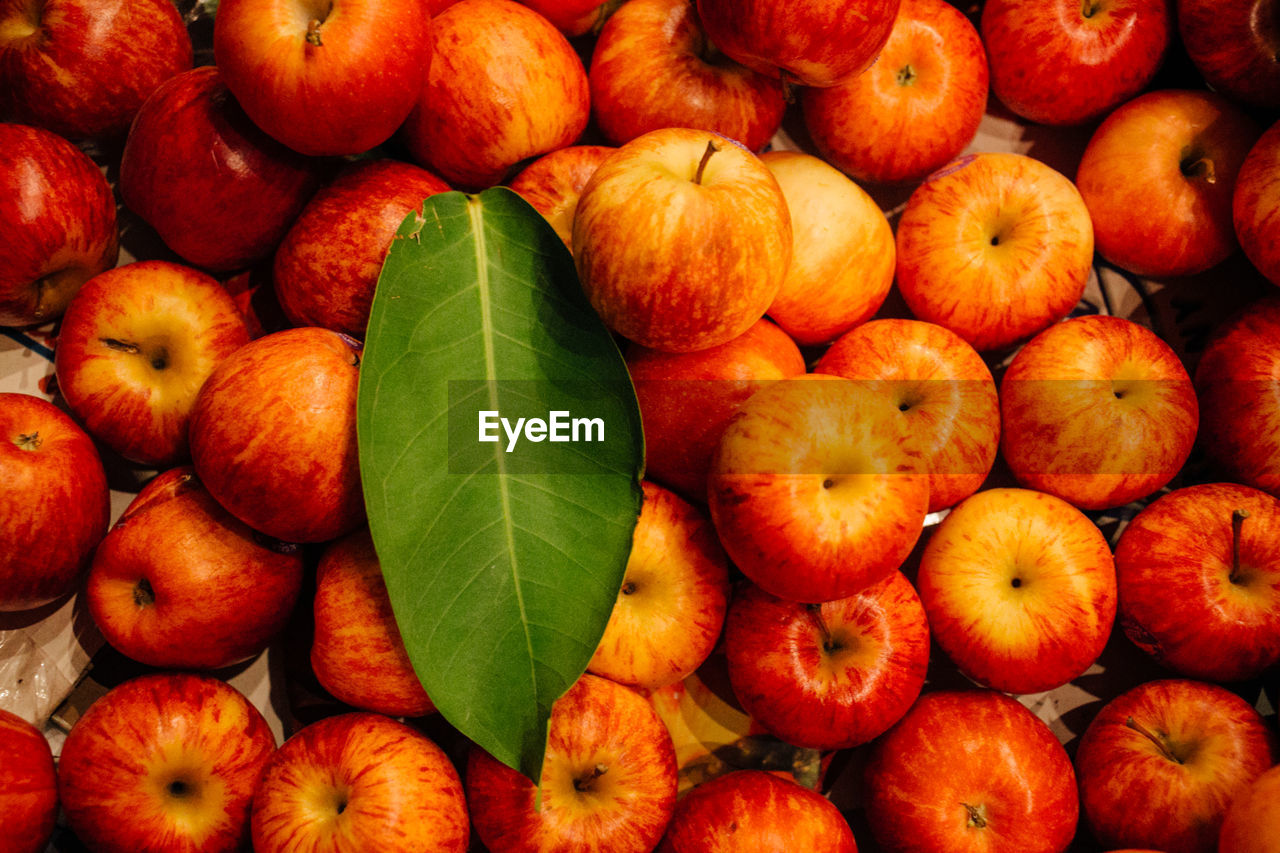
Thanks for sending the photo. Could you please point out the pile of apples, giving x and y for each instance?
(799, 439)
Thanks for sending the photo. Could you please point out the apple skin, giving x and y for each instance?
(970, 771)
(54, 502)
(1098, 411)
(757, 811)
(1160, 764)
(218, 191)
(571, 17)
(59, 219)
(1174, 153)
(178, 566)
(135, 345)
(1235, 45)
(1020, 589)
(915, 109)
(653, 67)
(682, 239)
(326, 267)
(943, 391)
(82, 68)
(324, 79)
(608, 780)
(1065, 62)
(994, 247)
(164, 762)
(28, 786)
(1188, 598)
(842, 255)
(273, 435)
(504, 86)
(357, 652)
(810, 42)
(358, 782)
(1237, 382)
(828, 676)
(553, 183)
(1252, 823)
(1255, 207)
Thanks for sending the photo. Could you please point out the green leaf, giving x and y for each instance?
(502, 561)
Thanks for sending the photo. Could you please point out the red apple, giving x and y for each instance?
(571, 17)
(1098, 411)
(653, 67)
(970, 772)
(554, 182)
(1252, 823)
(59, 220)
(1158, 177)
(504, 85)
(273, 435)
(177, 567)
(82, 68)
(164, 762)
(327, 266)
(1067, 62)
(1235, 44)
(135, 346)
(1256, 204)
(608, 779)
(757, 811)
(54, 502)
(328, 78)
(1020, 589)
(28, 786)
(943, 391)
(357, 653)
(915, 109)
(810, 42)
(1160, 764)
(355, 783)
(682, 239)
(995, 247)
(218, 191)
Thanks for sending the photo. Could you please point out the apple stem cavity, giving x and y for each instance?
(584, 783)
(702, 164)
(1196, 165)
(1237, 522)
(976, 819)
(1154, 738)
(143, 594)
(28, 441)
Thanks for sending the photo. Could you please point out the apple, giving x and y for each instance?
(1199, 580)
(573, 17)
(995, 247)
(59, 220)
(177, 566)
(757, 811)
(82, 68)
(218, 191)
(970, 771)
(1098, 411)
(1238, 384)
(553, 184)
(273, 435)
(1158, 177)
(357, 653)
(1255, 206)
(1020, 589)
(654, 67)
(135, 345)
(329, 78)
(810, 42)
(326, 267)
(54, 502)
(1252, 823)
(682, 239)
(164, 761)
(942, 390)
(28, 786)
(1235, 44)
(915, 109)
(504, 85)
(1068, 62)
(814, 494)
(608, 780)
(671, 605)
(842, 255)
(1160, 764)
(833, 675)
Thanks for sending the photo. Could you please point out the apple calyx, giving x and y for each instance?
(702, 164)
(1160, 741)
(976, 819)
(144, 595)
(1196, 164)
(1237, 522)
(28, 440)
(585, 783)
(629, 587)
(906, 76)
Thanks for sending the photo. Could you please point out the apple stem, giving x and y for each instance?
(702, 164)
(815, 613)
(28, 441)
(1154, 738)
(313, 32)
(583, 783)
(1237, 522)
(120, 346)
(1196, 165)
(975, 816)
(1090, 8)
